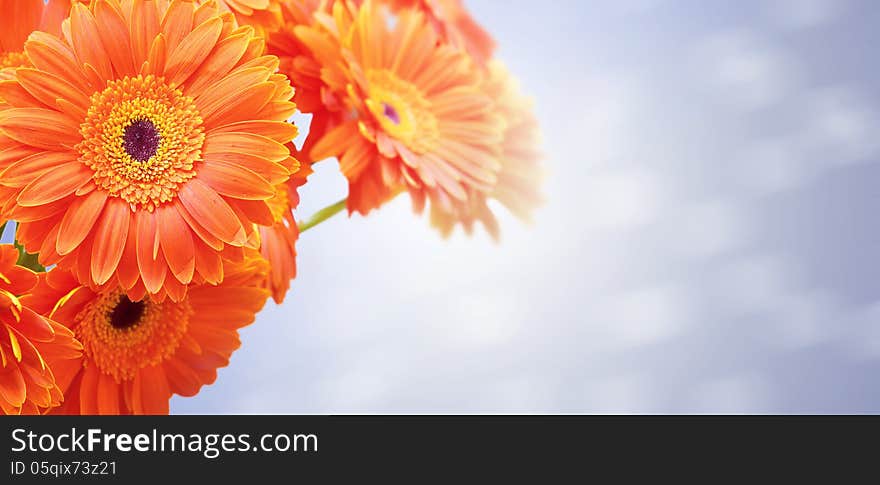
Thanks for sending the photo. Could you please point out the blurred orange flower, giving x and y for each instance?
(144, 145)
(521, 176)
(32, 347)
(139, 353)
(413, 117)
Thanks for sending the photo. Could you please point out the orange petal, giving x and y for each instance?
(254, 98)
(87, 42)
(110, 236)
(152, 271)
(272, 172)
(280, 131)
(158, 51)
(13, 95)
(38, 127)
(209, 264)
(79, 220)
(197, 228)
(177, 243)
(27, 168)
(88, 391)
(236, 182)
(48, 53)
(245, 143)
(257, 211)
(34, 326)
(192, 51)
(108, 395)
(143, 29)
(150, 392)
(128, 272)
(222, 59)
(336, 141)
(182, 378)
(54, 184)
(49, 88)
(177, 23)
(12, 386)
(114, 35)
(212, 212)
(227, 89)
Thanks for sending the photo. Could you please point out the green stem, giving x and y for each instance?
(322, 215)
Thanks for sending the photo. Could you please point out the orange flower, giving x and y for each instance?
(521, 175)
(278, 241)
(20, 18)
(137, 354)
(415, 114)
(144, 144)
(455, 25)
(263, 15)
(32, 347)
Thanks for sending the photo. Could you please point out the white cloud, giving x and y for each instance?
(625, 393)
(642, 317)
(841, 126)
(621, 199)
(803, 14)
(771, 165)
(731, 394)
(745, 72)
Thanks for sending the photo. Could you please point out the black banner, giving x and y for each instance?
(326, 449)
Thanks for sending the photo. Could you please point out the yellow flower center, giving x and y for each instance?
(279, 205)
(142, 138)
(121, 336)
(14, 59)
(402, 111)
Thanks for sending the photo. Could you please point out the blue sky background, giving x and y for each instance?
(709, 242)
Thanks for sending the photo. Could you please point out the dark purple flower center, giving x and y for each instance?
(127, 313)
(390, 113)
(141, 139)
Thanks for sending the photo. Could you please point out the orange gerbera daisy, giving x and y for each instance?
(144, 144)
(278, 241)
(31, 346)
(416, 117)
(138, 353)
(521, 175)
(262, 15)
(455, 25)
(20, 18)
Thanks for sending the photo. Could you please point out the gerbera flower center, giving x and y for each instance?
(143, 139)
(391, 113)
(402, 111)
(121, 336)
(127, 313)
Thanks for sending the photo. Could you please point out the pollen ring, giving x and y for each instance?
(143, 140)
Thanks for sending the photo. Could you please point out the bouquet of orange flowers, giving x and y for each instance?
(147, 160)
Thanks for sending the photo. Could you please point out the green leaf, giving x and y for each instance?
(28, 260)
